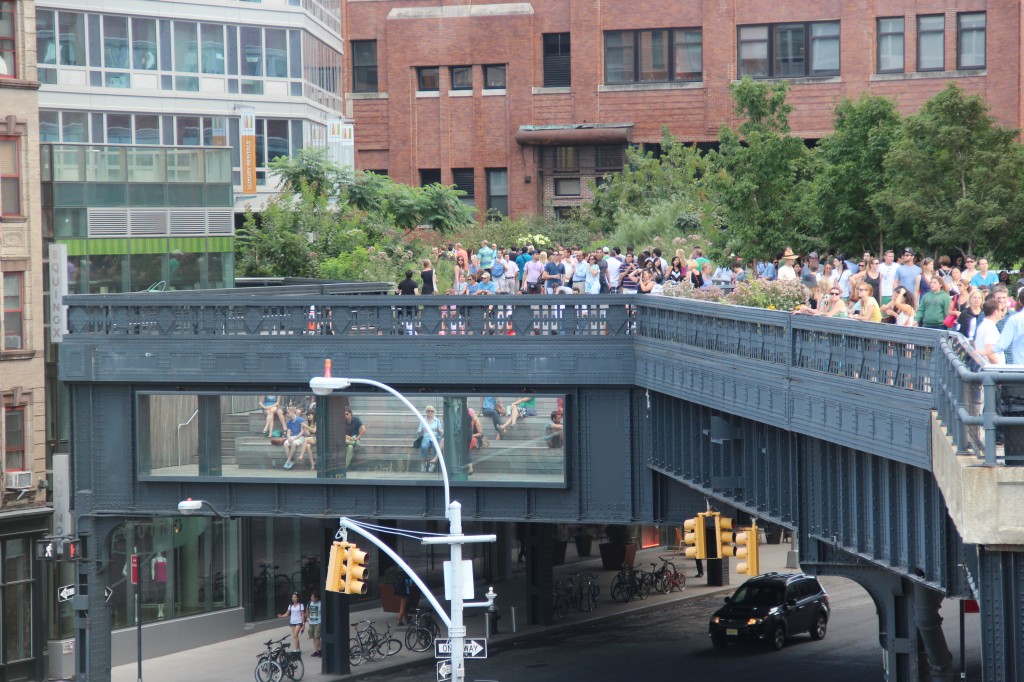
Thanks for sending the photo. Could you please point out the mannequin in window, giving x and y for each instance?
(158, 574)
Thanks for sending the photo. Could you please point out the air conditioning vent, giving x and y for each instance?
(18, 480)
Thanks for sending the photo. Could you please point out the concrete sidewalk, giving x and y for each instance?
(233, 660)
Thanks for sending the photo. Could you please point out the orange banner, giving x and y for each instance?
(248, 135)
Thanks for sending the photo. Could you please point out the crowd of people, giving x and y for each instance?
(907, 289)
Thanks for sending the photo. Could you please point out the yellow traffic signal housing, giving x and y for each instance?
(336, 567)
(695, 538)
(724, 537)
(748, 548)
(355, 570)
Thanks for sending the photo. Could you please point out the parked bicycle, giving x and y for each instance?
(630, 584)
(667, 578)
(422, 631)
(370, 645)
(277, 662)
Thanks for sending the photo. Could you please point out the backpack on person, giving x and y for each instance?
(497, 270)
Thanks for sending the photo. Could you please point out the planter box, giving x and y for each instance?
(558, 551)
(614, 556)
(390, 602)
(584, 545)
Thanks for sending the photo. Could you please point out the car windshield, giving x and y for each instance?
(758, 595)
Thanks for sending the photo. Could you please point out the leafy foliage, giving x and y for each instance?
(953, 177)
(849, 171)
(761, 173)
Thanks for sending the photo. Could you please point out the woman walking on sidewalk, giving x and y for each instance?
(295, 613)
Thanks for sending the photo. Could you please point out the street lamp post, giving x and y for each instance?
(326, 385)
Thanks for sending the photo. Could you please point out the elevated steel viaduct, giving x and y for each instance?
(876, 444)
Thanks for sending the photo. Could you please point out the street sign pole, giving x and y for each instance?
(137, 575)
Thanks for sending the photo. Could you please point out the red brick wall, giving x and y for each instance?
(404, 133)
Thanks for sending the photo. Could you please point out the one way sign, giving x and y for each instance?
(444, 671)
(472, 648)
(65, 593)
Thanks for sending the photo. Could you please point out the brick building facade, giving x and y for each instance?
(520, 103)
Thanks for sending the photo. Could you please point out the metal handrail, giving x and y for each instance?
(177, 434)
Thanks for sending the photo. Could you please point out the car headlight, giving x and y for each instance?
(755, 621)
(715, 620)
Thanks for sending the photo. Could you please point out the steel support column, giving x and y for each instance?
(1001, 584)
(93, 614)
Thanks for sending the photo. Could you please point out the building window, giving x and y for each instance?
(462, 178)
(653, 56)
(17, 597)
(567, 187)
(14, 439)
(462, 77)
(497, 191)
(364, 66)
(430, 176)
(789, 50)
(72, 38)
(8, 54)
(563, 212)
(557, 65)
(494, 77)
(428, 79)
(931, 43)
(14, 311)
(10, 177)
(970, 46)
(890, 45)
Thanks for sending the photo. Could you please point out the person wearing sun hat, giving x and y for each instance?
(786, 271)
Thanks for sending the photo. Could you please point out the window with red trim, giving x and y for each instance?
(14, 439)
(10, 176)
(14, 311)
(8, 43)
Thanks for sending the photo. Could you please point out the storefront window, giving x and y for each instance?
(187, 566)
(17, 600)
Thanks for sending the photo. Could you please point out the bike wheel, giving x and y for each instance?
(355, 652)
(390, 647)
(269, 670)
(373, 650)
(618, 589)
(664, 584)
(296, 669)
(262, 672)
(644, 589)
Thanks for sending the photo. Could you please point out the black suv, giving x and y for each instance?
(770, 608)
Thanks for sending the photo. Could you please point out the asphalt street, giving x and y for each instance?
(671, 644)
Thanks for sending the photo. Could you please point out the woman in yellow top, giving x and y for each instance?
(869, 310)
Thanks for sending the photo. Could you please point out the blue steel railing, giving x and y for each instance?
(937, 367)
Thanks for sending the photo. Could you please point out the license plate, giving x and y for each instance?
(732, 632)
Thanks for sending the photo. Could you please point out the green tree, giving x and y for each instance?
(848, 173)
(761, 172)
(311, 168)
(953, 178)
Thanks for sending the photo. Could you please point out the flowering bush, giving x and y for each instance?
(539, 241)
(685, 289)
(775, 295)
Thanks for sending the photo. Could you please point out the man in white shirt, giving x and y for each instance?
(614, 267)
(987, 336)
(887, 268)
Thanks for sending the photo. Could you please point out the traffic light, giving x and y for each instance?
(355, 571)
(748, 548)
(71, 549)
(724, 537)
(695, 538)
(346, 569)
(336, 567)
